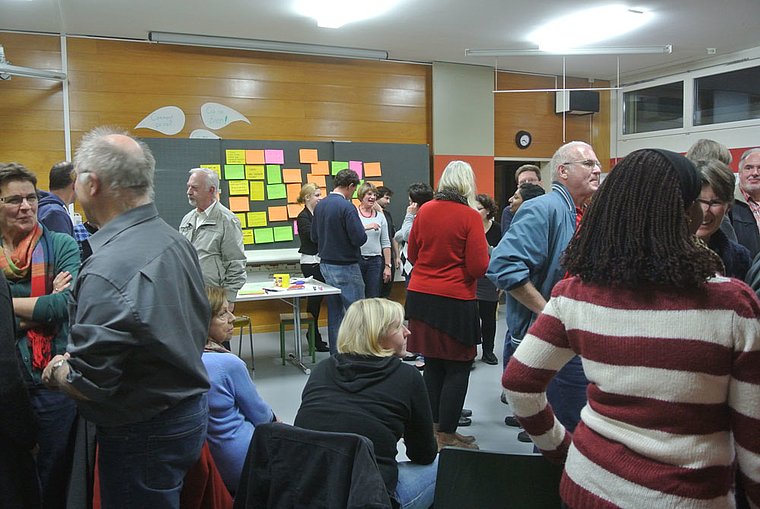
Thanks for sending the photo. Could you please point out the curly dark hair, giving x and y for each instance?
(488, 204)
(635, 232)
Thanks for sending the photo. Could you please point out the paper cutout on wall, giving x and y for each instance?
(320, 168)
(356, 166)
(238, 187)
(308, 155)
(235, 156)
(247, 236)
(293, 191)
(241, 218)
(203, 134)
(278, 213)
(168, 120)
(376, 183)
(216, 116)
(291, 175)
(283, 233)
(356, 202)
(276, 191)
(239, 204)
(338, 165)
(274, 176)
(254, 157)
(317, 179)
(372, 170)
(254, 171)
(234, 172)
(294, 209)
(257, 191)
(256, 219)
(216, 167)
(263, 235)
(274, 157)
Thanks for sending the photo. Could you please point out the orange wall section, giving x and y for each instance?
(482, 166)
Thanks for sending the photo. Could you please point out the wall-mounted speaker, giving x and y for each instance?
(577, 102)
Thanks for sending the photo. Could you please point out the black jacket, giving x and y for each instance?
(745, 227)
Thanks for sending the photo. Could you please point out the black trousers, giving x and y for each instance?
(487, 310)
(446, 383)
(313, 304)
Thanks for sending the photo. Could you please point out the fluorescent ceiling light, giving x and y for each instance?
(632, 50)
(336, 13)
(259, 45)
(28, 72)
(587, 27)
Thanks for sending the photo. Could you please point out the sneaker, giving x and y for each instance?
(510, 420)
(524, 437)
(464, 421)
(451, 440)
(489, 358)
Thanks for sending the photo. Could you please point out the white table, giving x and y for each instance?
(293, 299)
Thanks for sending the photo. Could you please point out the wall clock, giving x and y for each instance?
(523, 139)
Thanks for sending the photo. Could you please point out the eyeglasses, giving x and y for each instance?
(710, 204)
(16, 200)
(588, 163)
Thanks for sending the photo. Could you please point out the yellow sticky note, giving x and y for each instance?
(320, 168)
(317, 179)
(238, 186)
(256, 219)
(308, 155)
(236, 157)
(278, 213)
(372, 170)
(247, 236)
(294, 209)
(257, 190)
(239, 204)
(254, 157)
(291, 175)
(293, 191)
(216, 167)
(254, 171)
(241, 218)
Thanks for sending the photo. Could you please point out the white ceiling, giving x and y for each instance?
(415, 30)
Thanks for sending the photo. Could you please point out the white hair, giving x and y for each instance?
(211, 177)
(561, 156)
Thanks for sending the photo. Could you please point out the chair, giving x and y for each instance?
(486, 479)
(289, 319)
(289, 467)
(240, 322)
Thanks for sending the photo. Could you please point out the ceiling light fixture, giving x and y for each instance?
(260, 45)
(28, 72)
(640, 50)
(336, 13)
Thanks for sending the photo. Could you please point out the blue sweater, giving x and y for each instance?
(235, 408)
(337, 230)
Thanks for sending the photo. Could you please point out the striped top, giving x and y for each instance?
(672, 375)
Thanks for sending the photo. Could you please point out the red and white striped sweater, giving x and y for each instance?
(674, 398)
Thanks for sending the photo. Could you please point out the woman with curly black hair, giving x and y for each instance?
(671, 350)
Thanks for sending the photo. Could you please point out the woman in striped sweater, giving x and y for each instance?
(672, 352)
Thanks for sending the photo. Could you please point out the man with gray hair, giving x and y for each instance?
(745, 216)
(139, 320)
(526, 263)
(215, 232)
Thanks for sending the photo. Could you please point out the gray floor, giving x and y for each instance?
(281, 387)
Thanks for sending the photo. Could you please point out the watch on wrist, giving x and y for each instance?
(388, 265)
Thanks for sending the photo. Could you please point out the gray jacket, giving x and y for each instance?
(219, 243)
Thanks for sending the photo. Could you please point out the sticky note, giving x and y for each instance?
(320, 168)
(247, 236)
(238, 186)
(263, 235)
(241, 218)
(256, 219)
(356, 166)
(235, 157)
(317, 179)
(278, 213)
(274, 176)
(295, 227)
(294, 209)
(274, 157)
(254, 157)
(372, 170)
(356, 202)
(234, 172)
(283, 233)
(376, 183)
(338, 165)
(291, 175)
(257, 191)
(293, 191)
(307, 155)
(323, 191)
(276, 191)
(239, 204)
(254, 171)
(216, 167)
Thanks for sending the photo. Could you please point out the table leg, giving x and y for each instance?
(297, 358)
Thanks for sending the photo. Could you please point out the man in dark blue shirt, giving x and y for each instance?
(52, 211)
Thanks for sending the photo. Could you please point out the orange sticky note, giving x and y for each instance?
(376, 183)
(372, 170)
(293, 210)
(317, 179)
(240, 203)
(308, 155)
(323, 191)
(254, 157)
(278, 213)
(320, 168)
(291, 175)
(356, 202)
(293, 191)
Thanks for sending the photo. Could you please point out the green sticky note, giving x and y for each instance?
(277, 191)
(339, 165)
(274, 175)
(283, 233)
(234, 171)
(263, 235)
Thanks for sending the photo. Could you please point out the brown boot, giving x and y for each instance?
(450, 439)
(467, 439)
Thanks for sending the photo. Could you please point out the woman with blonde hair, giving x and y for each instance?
(367, 390)
(448, 248)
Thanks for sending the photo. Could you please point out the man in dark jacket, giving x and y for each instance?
(52, 210)
(746, 210)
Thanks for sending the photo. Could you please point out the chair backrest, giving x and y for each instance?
(475, 479)
(287, 466)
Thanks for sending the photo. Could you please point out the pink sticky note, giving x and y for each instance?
(356, 166)
(295, 227)
(274, 157)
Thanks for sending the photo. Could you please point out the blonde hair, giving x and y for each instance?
(366, 322)
(306, 191)
(217, 296)
(459, 176)
(364, 189)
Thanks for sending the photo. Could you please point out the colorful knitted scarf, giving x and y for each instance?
(34, 254)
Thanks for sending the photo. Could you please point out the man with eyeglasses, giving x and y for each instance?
(525, 174)
(52, 210)
(526, 261)
(745, 216)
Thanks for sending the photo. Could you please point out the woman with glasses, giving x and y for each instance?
(716, 199)
(38, 264)
(671, 351)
